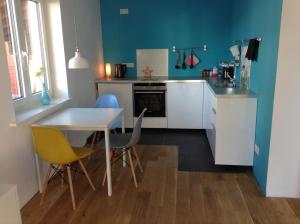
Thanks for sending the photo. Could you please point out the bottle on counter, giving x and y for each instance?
(214, 72)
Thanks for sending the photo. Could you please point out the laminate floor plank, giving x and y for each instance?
(164, 196)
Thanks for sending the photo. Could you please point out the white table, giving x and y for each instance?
(86, 119)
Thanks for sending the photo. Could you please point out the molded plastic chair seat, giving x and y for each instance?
(51, 145)
(109, 100)
(117, 141)
(125, 144)
(83, 152)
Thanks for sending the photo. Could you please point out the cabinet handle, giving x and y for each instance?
(214, 110)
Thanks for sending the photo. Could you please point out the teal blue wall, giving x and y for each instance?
(162, 24)
(260, 18)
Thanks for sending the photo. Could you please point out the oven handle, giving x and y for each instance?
(142, 92)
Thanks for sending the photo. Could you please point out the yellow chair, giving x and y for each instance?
(52, 146)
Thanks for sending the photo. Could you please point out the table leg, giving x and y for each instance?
(108, 165)
(123, 132)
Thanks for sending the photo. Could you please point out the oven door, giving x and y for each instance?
(154, 101)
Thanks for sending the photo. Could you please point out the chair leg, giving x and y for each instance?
(62, 170)
(93, 143)
(137, 159)
(46, 183)
(105, 173)
(86, 174)
(94, 139)
(71, 187)
(132, 168)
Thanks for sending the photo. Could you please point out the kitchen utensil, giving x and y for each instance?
(192, 59)
(177, 66)
(183, 62)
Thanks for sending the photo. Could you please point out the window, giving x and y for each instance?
(25, 46)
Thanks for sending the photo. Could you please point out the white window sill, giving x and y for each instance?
(39, 112)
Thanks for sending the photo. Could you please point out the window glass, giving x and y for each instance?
(34, 43)
(10, 49)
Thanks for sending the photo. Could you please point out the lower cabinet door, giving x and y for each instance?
(185, 105)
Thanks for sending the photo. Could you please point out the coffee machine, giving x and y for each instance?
(228, 70)
(120, 70)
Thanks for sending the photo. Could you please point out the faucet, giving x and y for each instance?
(232, 81)
(235, 64)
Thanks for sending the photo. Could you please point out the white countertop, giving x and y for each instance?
(218, 91)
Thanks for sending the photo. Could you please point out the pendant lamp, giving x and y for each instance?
(77, 62)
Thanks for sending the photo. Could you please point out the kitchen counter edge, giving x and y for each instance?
(218, 92)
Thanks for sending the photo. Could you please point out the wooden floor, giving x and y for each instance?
(164, 196)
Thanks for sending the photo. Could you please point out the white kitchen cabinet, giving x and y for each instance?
(124, 92)
(230, 128)
(185, 105)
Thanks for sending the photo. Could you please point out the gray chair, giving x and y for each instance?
(124, 143)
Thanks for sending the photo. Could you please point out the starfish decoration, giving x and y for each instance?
(147, 72)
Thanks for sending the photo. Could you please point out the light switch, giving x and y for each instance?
(123, 11)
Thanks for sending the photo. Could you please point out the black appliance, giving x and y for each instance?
(228, 69)
(120, 70)
(227, 72)
(151, 96)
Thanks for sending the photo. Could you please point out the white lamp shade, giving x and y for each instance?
(78, 62)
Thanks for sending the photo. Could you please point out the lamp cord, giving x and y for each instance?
(75, 25)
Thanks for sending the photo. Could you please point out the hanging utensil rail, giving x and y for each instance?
(247, 40)
(204, 48)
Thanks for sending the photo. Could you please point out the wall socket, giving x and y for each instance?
(256, 149)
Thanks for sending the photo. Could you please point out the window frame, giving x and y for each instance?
(28, 99)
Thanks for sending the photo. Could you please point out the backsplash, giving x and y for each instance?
(160, 25)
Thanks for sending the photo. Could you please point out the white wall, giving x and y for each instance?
(284, 159)
(17, 164)
(81, 82)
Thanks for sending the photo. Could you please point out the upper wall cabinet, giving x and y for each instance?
(185, 105)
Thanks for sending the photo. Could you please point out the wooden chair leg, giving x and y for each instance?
(104, 178)
(112, 160)
(46, 183)
(137, 159)
(105, 173)
(62, 170)
(94, 139)
(86, 174)
(132, 168)
(71, 187)
(93, 143)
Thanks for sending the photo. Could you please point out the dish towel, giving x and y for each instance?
(252, 52)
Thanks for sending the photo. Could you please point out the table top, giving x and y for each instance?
(82, 119)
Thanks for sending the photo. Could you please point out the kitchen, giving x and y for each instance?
(211, 145)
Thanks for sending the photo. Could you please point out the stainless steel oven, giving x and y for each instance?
(152, 96)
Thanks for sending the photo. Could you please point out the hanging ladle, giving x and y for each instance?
(177, 66)
(183, 62)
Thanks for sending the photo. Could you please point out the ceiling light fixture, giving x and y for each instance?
(77, 62)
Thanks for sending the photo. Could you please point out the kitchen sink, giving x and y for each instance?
(225, 85)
